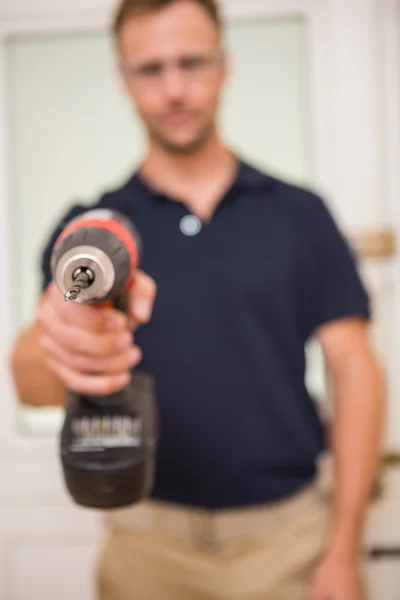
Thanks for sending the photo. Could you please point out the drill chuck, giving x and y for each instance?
(105, 246)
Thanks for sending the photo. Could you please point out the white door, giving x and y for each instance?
(68, 133)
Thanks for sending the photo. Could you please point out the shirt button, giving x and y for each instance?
(190, 225)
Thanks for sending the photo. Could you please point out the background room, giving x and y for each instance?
(314, 97)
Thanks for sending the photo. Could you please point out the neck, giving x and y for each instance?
(197, 178)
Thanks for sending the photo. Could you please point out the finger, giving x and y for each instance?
(142, 298)
(94, 385)
(80, 341)
(94, 318)
(122, 362)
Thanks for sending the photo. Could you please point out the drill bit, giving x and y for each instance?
(72, 293)
(81, 282)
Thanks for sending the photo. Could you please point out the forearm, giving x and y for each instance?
(356, 439)
(34, 383)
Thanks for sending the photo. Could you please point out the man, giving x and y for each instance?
(239, 270)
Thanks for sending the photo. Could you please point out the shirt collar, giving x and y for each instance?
(248, 178)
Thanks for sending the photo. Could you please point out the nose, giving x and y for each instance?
(174, 85)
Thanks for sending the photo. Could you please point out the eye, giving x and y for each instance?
(150, 70)
(192, 63)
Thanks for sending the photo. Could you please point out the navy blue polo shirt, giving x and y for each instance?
(237, 300)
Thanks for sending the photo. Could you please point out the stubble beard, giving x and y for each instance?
(192, 147)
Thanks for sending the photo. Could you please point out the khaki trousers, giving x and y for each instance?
(162, 552)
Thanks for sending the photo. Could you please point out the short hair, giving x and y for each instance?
(130, 8)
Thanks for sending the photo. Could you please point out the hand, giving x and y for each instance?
(91, 349)
(337, 578)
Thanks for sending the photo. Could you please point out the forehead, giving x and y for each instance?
(182, 27)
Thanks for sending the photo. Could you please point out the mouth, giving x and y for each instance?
(178, 118)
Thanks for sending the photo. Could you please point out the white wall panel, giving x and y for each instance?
(47, 551)
(68, 576)
(23, 9)
(358, 118)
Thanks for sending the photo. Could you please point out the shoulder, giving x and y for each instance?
(309, 208)
(301, 195)
(119, 197)
(122, 196)
(303, 203)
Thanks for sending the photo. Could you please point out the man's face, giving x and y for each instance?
(174, 71)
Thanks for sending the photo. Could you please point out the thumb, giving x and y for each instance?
(142, 299)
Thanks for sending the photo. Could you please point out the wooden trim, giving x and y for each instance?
(390, 460)
(380, 244)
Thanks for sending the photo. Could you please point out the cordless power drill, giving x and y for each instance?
(107, 443)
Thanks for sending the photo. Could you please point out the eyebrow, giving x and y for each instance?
(215, 53)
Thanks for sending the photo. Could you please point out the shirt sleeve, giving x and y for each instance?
(339, 290)
(71, 213)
